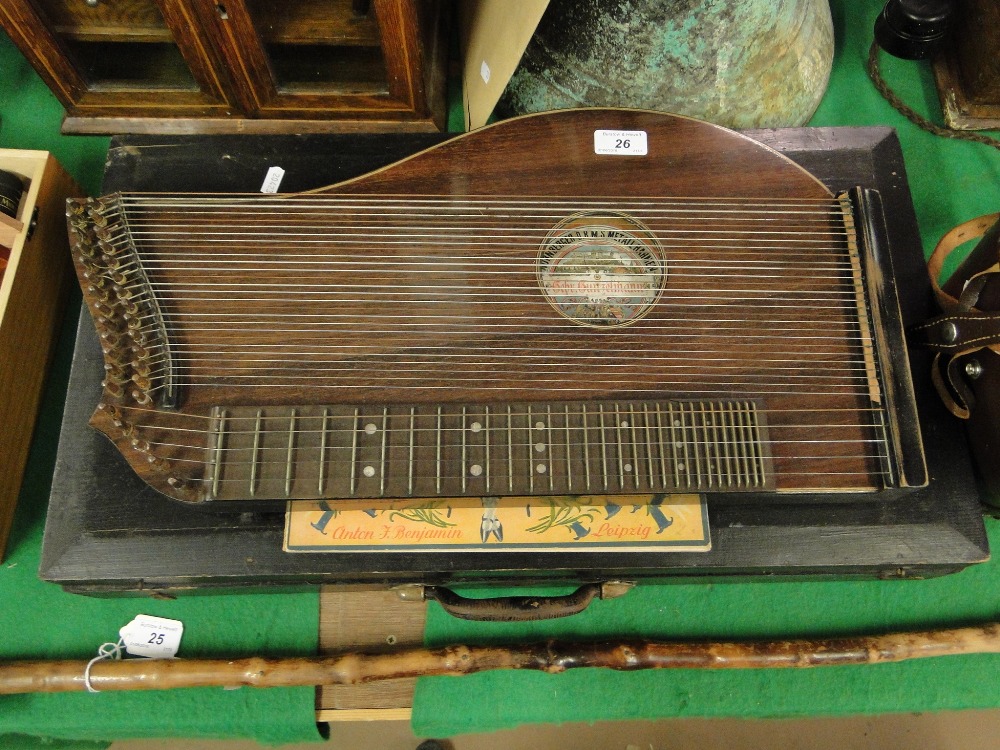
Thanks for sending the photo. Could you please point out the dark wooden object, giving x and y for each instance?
(968, 71)
(197, 66)
(399, 343)
(108, 532)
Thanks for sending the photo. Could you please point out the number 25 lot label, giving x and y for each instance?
(621, 142)
(154, 637)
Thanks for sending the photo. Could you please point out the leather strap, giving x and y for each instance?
(963, 329)
(961, 234)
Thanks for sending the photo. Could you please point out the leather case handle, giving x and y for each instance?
(523, 608)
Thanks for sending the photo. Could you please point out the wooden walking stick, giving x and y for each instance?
(552, 657)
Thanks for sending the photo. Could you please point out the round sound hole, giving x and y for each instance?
(601, 269)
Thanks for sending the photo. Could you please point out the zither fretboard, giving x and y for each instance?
(476, 450)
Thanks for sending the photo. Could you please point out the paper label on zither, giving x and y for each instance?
(619, 523)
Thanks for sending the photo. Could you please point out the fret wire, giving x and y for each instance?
(621, 449)
(725, 431)
(635, 447)
(256, 455)
(354, 451)
(486, 438)
(672, 424)
(439, 450)
(750, 457)
(696, 444)
(531, 462)
(662, 448)
(464, 434)
(412, 438)
(385, 435)
(711, 445)
(217, 453)
(322, 448)
(604, 446)
(510, 449)
(548, 446)
(649, 446)
(569, 455)
(290, 454)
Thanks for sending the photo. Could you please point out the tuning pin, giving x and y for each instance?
(112, 389)
(141, 398)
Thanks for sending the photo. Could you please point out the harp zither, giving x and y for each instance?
(507, 313)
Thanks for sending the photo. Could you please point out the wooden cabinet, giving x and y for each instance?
(33, 290)
(178, 66)
(968, 71)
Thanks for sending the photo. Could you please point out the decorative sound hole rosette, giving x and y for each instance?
(601, 269)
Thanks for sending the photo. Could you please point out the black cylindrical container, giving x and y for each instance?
(11, 188)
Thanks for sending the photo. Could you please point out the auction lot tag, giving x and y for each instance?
(154, 637)
(621, 142)
(272, 181)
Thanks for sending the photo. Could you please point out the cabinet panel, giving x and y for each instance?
(118, 57)
(172, 66)
(364, 61)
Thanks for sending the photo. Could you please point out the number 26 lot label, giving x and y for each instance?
(621, 142)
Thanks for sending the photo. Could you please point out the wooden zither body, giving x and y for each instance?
(533, 308)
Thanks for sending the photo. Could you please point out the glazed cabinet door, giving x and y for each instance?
(120, 58)
(368, 60)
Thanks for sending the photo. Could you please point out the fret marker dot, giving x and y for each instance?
(679, 444)
(540, 447)
(680, 467)
(369, 471)
(540, 468)
(625, 423)
(475, 470)
(628, 467)
(539, 425)
(475, 427)
(370, 428)
(677, 423)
